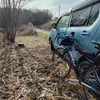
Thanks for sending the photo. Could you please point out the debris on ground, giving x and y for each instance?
(26, 73)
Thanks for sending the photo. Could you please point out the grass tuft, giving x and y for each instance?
(43, 35)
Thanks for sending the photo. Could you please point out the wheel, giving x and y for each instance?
(51, 45)
(83, 66)
(91, 80)
(61, 63)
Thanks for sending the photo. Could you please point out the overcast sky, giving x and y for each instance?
(53, 5)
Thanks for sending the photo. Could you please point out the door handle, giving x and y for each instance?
(84, 33)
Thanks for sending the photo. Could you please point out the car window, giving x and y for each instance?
(62, 23)
(94, 14)
(80, 17)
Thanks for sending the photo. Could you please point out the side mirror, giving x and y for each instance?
(54, 25)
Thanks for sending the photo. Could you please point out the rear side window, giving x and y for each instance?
(81, 17)
(86, 16)
(94, 14)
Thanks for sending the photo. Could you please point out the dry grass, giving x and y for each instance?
(46, 26)
(27, 74)
(1, 38)
(27, 31)
(44, 36)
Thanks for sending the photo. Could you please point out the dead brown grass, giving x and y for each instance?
(27, 74)
(1, 38)
(46, 26)
(27, 31)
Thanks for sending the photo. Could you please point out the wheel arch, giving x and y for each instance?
(51, 44)
(49, 39)
(82, 58)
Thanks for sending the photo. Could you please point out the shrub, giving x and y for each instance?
(27, 31)
(46, 26)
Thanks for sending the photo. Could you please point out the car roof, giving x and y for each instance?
(84, 4)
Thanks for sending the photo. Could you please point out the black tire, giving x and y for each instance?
(83, 66)
(91, 80)
(51, 45)
(61, 64)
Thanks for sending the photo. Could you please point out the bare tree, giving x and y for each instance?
(10, 9)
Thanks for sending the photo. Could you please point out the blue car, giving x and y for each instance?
(84, 21)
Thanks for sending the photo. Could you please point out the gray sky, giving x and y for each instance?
(53, 5)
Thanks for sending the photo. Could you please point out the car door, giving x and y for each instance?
(78, 25)
(60, 29)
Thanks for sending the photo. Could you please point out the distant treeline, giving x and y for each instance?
(36, 17)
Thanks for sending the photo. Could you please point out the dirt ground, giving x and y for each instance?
(26, 73)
